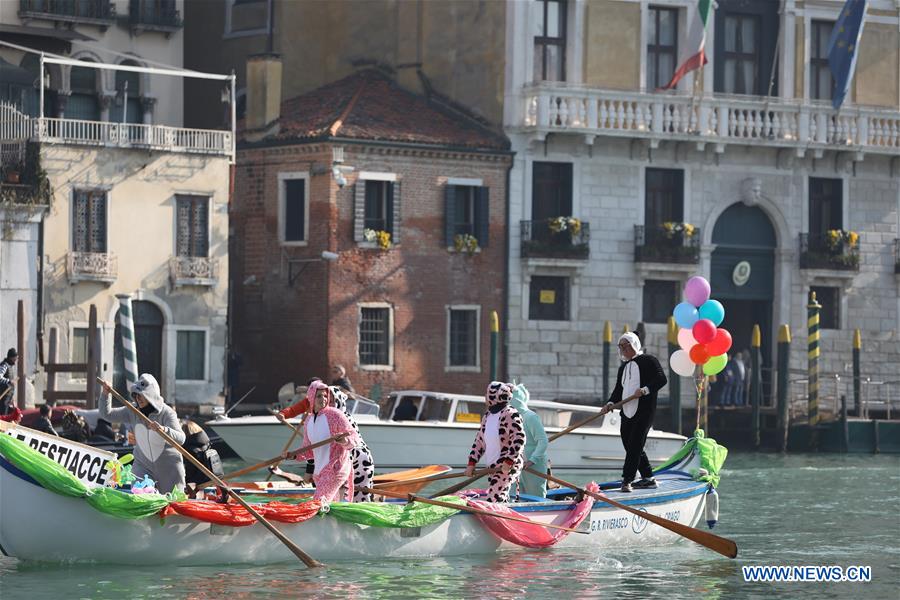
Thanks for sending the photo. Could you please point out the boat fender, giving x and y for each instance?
(712, 507)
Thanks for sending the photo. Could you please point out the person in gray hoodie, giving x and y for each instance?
(153, 456)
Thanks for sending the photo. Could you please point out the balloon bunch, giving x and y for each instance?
(703, 343)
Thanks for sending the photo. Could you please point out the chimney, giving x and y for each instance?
(263, 95)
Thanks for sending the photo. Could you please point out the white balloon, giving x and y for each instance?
(686, 339)
(681, 363)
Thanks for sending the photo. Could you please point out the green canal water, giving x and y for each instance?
(781, 510)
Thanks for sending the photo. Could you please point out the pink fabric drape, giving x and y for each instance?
(527, 534)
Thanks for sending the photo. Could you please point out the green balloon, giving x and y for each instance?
(715, 364)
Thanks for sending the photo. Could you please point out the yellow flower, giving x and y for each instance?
(574, 225)
(384, 239)
(853, 238)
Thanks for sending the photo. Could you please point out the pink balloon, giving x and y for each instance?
(704, 331)
(697, 291)
(686, 339)
(720, 344)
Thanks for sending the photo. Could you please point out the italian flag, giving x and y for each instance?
(696, 40)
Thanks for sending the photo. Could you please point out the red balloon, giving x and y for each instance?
(720, 344)
(704, 332)
(700, 354)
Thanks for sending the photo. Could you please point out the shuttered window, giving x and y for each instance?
(190, 360)
(193, 226)
(467, 212)
(89, 226)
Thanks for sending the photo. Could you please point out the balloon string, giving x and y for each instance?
(698, 384)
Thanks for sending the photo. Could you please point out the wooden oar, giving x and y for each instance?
(591, 418)
(401, 482)
(294, 548)
(272, 461)
(289, 442)
(464, 484)
(463, 507)
(723, 546)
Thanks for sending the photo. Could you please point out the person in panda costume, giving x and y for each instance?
(640, 376)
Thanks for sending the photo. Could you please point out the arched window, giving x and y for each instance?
(135, 113)
(83, 103)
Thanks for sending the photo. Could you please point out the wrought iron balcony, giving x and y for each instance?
(99, 12)
(193, 270)
(830, 250)
(667, 245)
(565, 237)
(716, 119)
(92, 266)
(156, 15)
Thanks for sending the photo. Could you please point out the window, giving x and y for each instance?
(551, 194)
(375, 336)
(246, 17)
(549, 299)
(293, 210)
(463, 337)
(550, 41)
(89, 226)
(663, 196)
(821, 83)
(192, 236)
(660, 297)
(379, 206)
(128, 85)
(830, 313)
(825, 204)
(741, 54)
(466, 212)
(83, 103)
(79, 345)
(376, 205)
(190, 358)
(662, 46)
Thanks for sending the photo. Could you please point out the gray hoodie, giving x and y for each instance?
(153, 456)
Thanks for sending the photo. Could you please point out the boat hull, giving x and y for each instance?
(39, 525)
(402, 445)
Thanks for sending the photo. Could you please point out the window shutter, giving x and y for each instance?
(393, 211)
(359, 209)
(482, 216)
(449, 214)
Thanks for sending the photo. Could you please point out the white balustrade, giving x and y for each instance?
(765, 121)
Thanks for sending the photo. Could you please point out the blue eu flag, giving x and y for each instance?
(842, 47)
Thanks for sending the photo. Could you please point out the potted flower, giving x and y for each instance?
(464, 242)
(382, 238)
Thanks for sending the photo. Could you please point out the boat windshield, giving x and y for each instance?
(468, 412)
(435, 409)
(364, 407)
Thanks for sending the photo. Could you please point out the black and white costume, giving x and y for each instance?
(360, 455)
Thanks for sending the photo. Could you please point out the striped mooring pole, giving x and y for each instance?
(607, 342)
(674, 378)
(495, 343)
(129, 348)
(812, 324)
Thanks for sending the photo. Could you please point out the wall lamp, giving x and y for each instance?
(304, 262)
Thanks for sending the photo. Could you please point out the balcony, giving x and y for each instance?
(154, 15)
(719, 120)
(561, 238)
(833, 250)
(193, 270)
(92, 266)
(17, 126)
(671, 245)
(94, 12)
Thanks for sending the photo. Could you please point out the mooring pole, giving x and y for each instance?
(812, 324)
(495, 343)
(857, 377)
(784, 356)
(755, 383)
(607, 342)
(674, 378)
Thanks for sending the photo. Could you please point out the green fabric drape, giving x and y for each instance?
(710, 454)
(413, 514)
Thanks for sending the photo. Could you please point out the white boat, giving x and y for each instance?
(38, 524)
(442, 431)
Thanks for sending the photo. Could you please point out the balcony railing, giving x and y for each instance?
(159, 15)
(15, 125)
(92, 266)
(827, 251)
(660, 245)
(550, 238)
(100, 12)
(719, 119)
(193, 270)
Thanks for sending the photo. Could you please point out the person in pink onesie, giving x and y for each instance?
(333, 467)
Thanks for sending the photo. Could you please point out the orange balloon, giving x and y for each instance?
(699, 354)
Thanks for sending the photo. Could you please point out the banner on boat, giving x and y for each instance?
(84, 462)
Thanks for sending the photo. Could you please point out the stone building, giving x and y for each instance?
(324, 172)
(134, 202)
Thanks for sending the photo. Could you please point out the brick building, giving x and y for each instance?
(321, 173)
